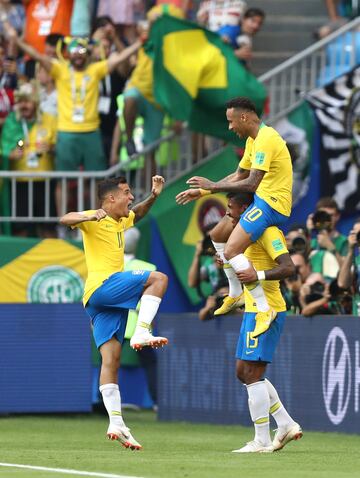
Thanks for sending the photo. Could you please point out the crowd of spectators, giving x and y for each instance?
(327, 264)
(89, 54)
(327, 276)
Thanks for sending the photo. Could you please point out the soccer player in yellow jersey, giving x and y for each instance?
(110, 292)
(266, 170)
(268, 254)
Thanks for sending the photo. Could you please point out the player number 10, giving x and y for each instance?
(253, 214)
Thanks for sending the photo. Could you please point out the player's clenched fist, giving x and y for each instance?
(157, 185)
(98, 215)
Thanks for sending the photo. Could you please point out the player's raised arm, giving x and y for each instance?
(249, 182)
(143, 207)
(195, 193)
(73, 218)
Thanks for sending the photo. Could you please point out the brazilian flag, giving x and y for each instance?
(196, 73)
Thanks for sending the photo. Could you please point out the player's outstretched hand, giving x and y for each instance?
(187, 196)
(157, 185)
(98, 215)
(199, 182)
(247, 275)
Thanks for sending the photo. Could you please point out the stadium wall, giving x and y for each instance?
(47, 367)
(45, 359)
(316, 371)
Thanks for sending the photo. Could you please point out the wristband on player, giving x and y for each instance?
(204, 192)
(260, 275)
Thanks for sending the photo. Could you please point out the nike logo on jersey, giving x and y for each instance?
(249, 352)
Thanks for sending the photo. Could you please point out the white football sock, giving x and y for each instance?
(149, 306)
(259, 404)
(112, 401)
(240, 263)
(277, 409)
(235, 287)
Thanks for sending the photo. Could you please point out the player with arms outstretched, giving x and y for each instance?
(110, 292)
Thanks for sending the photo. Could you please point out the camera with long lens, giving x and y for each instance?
(316, 292)
(322, 221)
(299, 244)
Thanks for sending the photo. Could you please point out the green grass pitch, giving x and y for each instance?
(170, 450)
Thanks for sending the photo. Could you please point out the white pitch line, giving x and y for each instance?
(67, 472)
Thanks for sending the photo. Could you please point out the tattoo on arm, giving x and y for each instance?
(249, 184)
(284, 269)
(143, 207)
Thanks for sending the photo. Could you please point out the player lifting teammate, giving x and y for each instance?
(266, 170)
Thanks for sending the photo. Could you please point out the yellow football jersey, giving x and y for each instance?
(85, 83)
(104, 249)
(268, 152)
(262, 254)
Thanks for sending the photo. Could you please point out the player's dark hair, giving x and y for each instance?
(108, 185)
(241, 103)
(254, 12)
(241, 198)
(53, 39)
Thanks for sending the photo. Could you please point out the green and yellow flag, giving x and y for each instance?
(48, 271)
(181, 227)
(196, 73)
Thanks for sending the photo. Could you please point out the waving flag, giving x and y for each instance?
(196, 73)
(337, 107)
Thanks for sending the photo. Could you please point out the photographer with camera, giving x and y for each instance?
(291, 286)
(298, 239)
(329, 246)
(349, 275)
(214, 300)
(325, 225)
(315, 296)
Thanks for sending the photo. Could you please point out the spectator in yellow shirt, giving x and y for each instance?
(77, 82)
(28, 143)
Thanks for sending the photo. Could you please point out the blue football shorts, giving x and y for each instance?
(109, 305)
(263, 347)
(258, 217)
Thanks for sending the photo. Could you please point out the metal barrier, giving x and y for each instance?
(57, 185)
(291, 80)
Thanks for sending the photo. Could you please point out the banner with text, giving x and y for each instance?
(315, 371)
